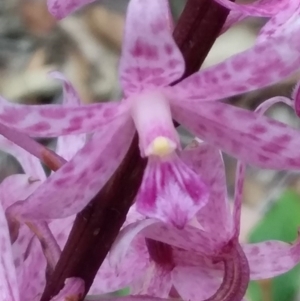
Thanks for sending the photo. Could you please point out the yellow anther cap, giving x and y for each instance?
(162, 146)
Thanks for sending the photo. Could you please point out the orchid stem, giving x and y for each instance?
(97, 226)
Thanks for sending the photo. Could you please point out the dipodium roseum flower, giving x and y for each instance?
(28, 256)
(150, 62)
(203, 261)
(11, 288)
(29, 260)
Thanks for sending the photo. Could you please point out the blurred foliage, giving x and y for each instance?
(177, 7)
(279, 223)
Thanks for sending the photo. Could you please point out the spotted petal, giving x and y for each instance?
(61, 8)
(56, 120)
(150, 56)
(69, 189)
(271, 258)
(207, 162)
(254, 139)
(8, 280)
(266, 63)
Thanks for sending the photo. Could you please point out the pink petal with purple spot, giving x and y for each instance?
(57, 120)
(207, 162)
(171, 191)
(271, 258)
(33, 281)
(68, 190)
(281, 22)
(61, 8)
(8, 280)
(264, 64)
(150, 57)
(254, 139)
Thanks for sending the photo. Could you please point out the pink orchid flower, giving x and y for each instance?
(29, 260)
(194, 260)
(11, 289)
(150, 63)
(282, 15)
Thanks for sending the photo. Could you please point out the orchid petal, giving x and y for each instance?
(259, 8)
(126, 261)
(72, 290)
(38, 150)
(189, 238)
(196, 283)
(264, 106)
(254, 139)
(125, 239)
(56, 120)
(68, 146)
(17, 187)
(232, 19)
(132, 266)
(70, 95)
(296, 97)
(271, 258)
(155, 282)
(150, 57)
(207, 162)
(133, 298)
(238, 197)
(20, 248)
(33, 280)
(30, 164)
(48, 242)
(69, 190)
(171, 191)
(280, 22)
(8, 279)
(264, 64)
(61, 8)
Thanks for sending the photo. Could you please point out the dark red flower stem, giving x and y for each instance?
(97, 226)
